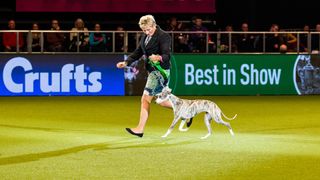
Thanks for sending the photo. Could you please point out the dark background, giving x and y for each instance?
(259, 14)
(117, 6)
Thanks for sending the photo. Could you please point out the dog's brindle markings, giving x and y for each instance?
(185, 109)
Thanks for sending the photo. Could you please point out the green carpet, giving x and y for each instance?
(276, 137)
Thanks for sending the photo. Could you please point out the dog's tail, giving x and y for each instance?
(228, 117)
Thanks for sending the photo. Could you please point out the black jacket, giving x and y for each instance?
(159, 44)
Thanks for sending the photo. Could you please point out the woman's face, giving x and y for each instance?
(79, 23)
(35, 27)
(97, 27)
(149, 30)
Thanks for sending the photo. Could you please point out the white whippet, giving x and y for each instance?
(186, 109)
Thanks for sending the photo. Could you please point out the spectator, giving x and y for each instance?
(10, 38)
(275, 40)
(83, 42)
(119, 40)
(180, 40)
(35, 38)
(198, 40)
(245, 41)
(304, 39)
(97, 40)
(224, 41)
(291, 42)
(315, 40)
(173, 24)
(55, 40)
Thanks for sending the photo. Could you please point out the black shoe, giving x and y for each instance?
(133, 133)
(189, 122)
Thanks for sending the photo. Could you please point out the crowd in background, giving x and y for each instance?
(193, 37)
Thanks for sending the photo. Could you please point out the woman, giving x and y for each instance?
(97, 40)
(35, 39)
(83, 43)
(154, 47)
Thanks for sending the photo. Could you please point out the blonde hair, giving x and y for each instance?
(146, 21)
(79, 23)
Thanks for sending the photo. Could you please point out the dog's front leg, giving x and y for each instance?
(174, 122)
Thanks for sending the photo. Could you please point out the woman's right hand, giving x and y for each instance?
(121, 64)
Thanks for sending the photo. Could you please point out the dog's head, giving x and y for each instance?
(164, 95)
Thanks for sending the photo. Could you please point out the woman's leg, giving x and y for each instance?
(144, 113)
(152, 84)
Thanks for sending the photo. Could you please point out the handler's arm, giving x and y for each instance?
(165, 48)
(135, 55)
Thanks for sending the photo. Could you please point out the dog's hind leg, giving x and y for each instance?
(174, 122)
(229, 127)
(183, 122)
(219, 120)
(207, 121)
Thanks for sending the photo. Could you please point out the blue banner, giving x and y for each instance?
(61, 75)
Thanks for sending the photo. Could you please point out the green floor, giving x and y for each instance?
(276, 137)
